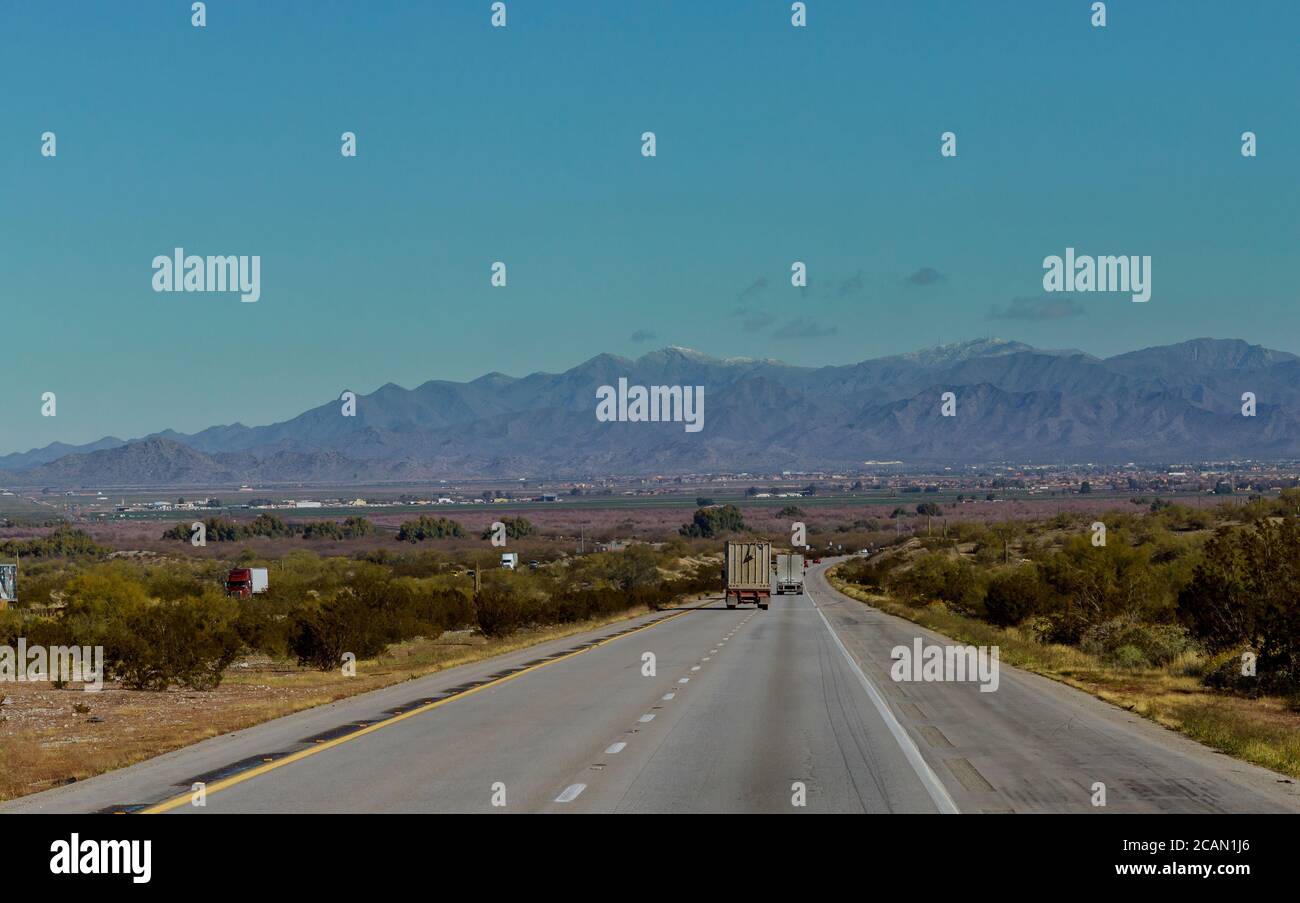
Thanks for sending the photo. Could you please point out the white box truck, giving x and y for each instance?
(509, 560)
(789, 574)
(747, 573)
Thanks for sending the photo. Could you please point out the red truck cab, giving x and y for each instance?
(239, 582)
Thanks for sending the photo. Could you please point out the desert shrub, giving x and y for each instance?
(710, 522)
(635, 568)
(11, 626)
(187, 642)
(1091, 584)
(320, 636)
(367, 612)
(1245, 594)
(1224, 672)
(504, 604)
(939, 576)
(348, 528)
(173, 583)
(1130, 657)
(215, 529)
(40, 584)
(426, 527)
(1012, 596)
(63, 541)
(516, 528)
(869, 573)
(1158, 644)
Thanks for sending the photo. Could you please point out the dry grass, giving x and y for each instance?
(46, 741)
(1261, 731)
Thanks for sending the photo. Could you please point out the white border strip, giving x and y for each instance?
(933, 785)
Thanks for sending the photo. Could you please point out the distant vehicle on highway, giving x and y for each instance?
(747, 573)
(534, 564)
(789, 574)
(244, 582)
(510, 560)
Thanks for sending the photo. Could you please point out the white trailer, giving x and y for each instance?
(789, 574)
(747, 573)
(509, 560)
(260, 580)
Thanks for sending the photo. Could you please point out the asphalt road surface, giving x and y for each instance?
(786, 710)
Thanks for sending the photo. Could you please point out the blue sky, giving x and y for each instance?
(522, 144)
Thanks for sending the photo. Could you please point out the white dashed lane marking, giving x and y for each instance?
(570, 793)
(573, 791)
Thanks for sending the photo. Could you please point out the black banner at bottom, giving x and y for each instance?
(340, 853)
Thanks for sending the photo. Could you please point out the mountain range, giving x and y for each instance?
(1014, 402)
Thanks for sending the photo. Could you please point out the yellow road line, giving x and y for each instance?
(225, 783)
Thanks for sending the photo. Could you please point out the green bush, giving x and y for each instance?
(1013, 596)
(426, 527)
(187, 642)
(62, 542)
(1245, 594)
(516, 528)
(1128, 656)
(501, 608)
(319, 637)
(709, 522)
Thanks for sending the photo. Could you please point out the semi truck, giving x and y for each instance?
(246, 581)
(747, 573)
(510, 560)
(789, 574)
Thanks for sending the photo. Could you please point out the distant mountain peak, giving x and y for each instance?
(955, 352)
(1172, 402)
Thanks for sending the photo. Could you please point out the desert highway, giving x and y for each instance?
(786, 710)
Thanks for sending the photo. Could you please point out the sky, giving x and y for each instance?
(522, 144)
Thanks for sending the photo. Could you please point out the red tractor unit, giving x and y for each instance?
(246, 581)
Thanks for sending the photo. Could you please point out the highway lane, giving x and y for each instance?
(742, 705)
(776, 712)
(747, 711)
(1036, 745)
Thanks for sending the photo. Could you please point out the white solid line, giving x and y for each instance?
(929, 779)
(684, 680)
(705, 659)
(647, 718)
(669, 695)
(615, 748)
(695, 668)
(570, 793)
